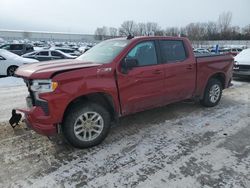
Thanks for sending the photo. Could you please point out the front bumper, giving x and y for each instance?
(36, 119)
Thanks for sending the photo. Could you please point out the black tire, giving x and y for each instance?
(11, 70)
(208, 100)
(72, 118)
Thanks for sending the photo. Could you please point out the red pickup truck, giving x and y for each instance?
(117, 77)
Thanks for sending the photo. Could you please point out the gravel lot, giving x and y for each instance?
(180, 145)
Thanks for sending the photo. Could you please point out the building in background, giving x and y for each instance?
(46, 36)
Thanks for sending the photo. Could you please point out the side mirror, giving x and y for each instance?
(129, 63)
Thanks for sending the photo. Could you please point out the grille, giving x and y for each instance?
(242, 67)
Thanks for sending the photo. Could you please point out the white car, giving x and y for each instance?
(242, 64)
(47, 55)
(201, 51)
(9, 62)
(69, 51)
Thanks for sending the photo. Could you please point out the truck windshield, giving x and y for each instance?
(104, 52)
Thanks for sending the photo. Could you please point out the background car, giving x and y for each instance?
(69, 51)
(46, 55)
(18, 49)
(235, 51)
(201, 51)
(9, 62)
(242, 64)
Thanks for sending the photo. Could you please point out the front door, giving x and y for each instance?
(141, 87)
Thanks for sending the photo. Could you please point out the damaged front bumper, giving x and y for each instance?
(36, 119)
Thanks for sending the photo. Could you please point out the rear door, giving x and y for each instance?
(141, 88)
(180, 71)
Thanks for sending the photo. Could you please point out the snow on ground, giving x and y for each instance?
(12, 95)
(11, 81)
(180, 145)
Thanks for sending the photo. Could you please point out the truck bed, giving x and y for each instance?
(212, 57)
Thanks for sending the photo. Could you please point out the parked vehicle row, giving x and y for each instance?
(232, 51)
(69, 51)
(22, 47)
(47, 55)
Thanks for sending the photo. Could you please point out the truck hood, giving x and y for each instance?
(47, 69)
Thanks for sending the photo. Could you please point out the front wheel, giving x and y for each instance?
(11, 70)
(212, 93)
(86, 125)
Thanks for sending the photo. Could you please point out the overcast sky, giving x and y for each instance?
(83, 16)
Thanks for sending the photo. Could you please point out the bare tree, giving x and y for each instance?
(159, 32)
(101, 33)
(172, 31)
(220, 30)
(113, 32)
(183, 32)
(211, 30)
(196, 31)
(128, 27)
(141, 29)
(246, 30)
(224, 21)
(151, 28)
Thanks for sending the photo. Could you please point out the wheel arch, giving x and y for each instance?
(100, 98)
(221, 77)
(13, 65)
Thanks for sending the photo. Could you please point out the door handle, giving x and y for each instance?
(190, 66)
(157, 72)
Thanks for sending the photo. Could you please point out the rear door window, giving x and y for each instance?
(172, 50)
(43, 53)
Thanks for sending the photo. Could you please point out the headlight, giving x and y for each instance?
(43, 86)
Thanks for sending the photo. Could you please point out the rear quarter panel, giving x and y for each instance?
(210, 66)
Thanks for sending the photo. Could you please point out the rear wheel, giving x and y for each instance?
(86, 125)
(212, 93)
(11, 70)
